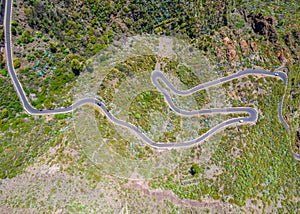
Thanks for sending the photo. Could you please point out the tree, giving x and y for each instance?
(14, 23)
(13, 31)
(26, 37)
(66, 51)
(45, 39)
(30, 58)
(3, 72)
(195, 169)
(2, 62)
(76, 66)
(17, 63)
(1, 35)
(4, 113)
(38, 34)
(53, 48)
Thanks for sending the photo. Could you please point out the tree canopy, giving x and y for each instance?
(195, 169)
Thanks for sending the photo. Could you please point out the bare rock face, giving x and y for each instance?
(226, 41)
(284, 56)
(230, 49)
(281, 57)
(231, 53)
(292, 41)
(244, 47)
(264, 25)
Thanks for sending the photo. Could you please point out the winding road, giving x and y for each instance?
(156, 75)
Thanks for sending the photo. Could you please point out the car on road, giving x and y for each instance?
(276, 74)
(241, 121)
(99, 104)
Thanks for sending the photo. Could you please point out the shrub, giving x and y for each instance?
(53, 48)
(13, 31)
(30, 58)
(14, 23)
(4, 113)
(4, 72)
(76, 66)
(45, 39)
(17, 63)
(26, 37)
(38, 34)
(195, 169)
(66, 51)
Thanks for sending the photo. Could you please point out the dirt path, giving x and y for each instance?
(169, 195)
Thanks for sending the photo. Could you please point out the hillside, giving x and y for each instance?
(44, 165)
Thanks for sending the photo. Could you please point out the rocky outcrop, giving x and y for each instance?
(281, 56)
(253, 46)
(265, 26)
(244, 47)
(230, 49)
(292, 42)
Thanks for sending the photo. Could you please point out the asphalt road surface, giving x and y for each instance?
(156, 75)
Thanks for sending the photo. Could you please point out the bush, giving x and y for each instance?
(14, 23)
(76, 66)
(53, 48)
(38, 34)
(19, 29)
(4, 72)
(195, 169)
(26, 36)
(13, 31)
(66, 51)
(17, 63)
(30, 58)
(45, 39)
(4, 113)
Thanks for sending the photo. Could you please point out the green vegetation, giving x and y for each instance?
(24, 137)
(4, 72)
(76, 66)
(118, 144)
(90, 34)
(45, 39)
(52, 41)
(38, 34)
(291, 108)
(256, 161)
(195, 169)
(26, 37)
(17, 63)
(143, 108)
